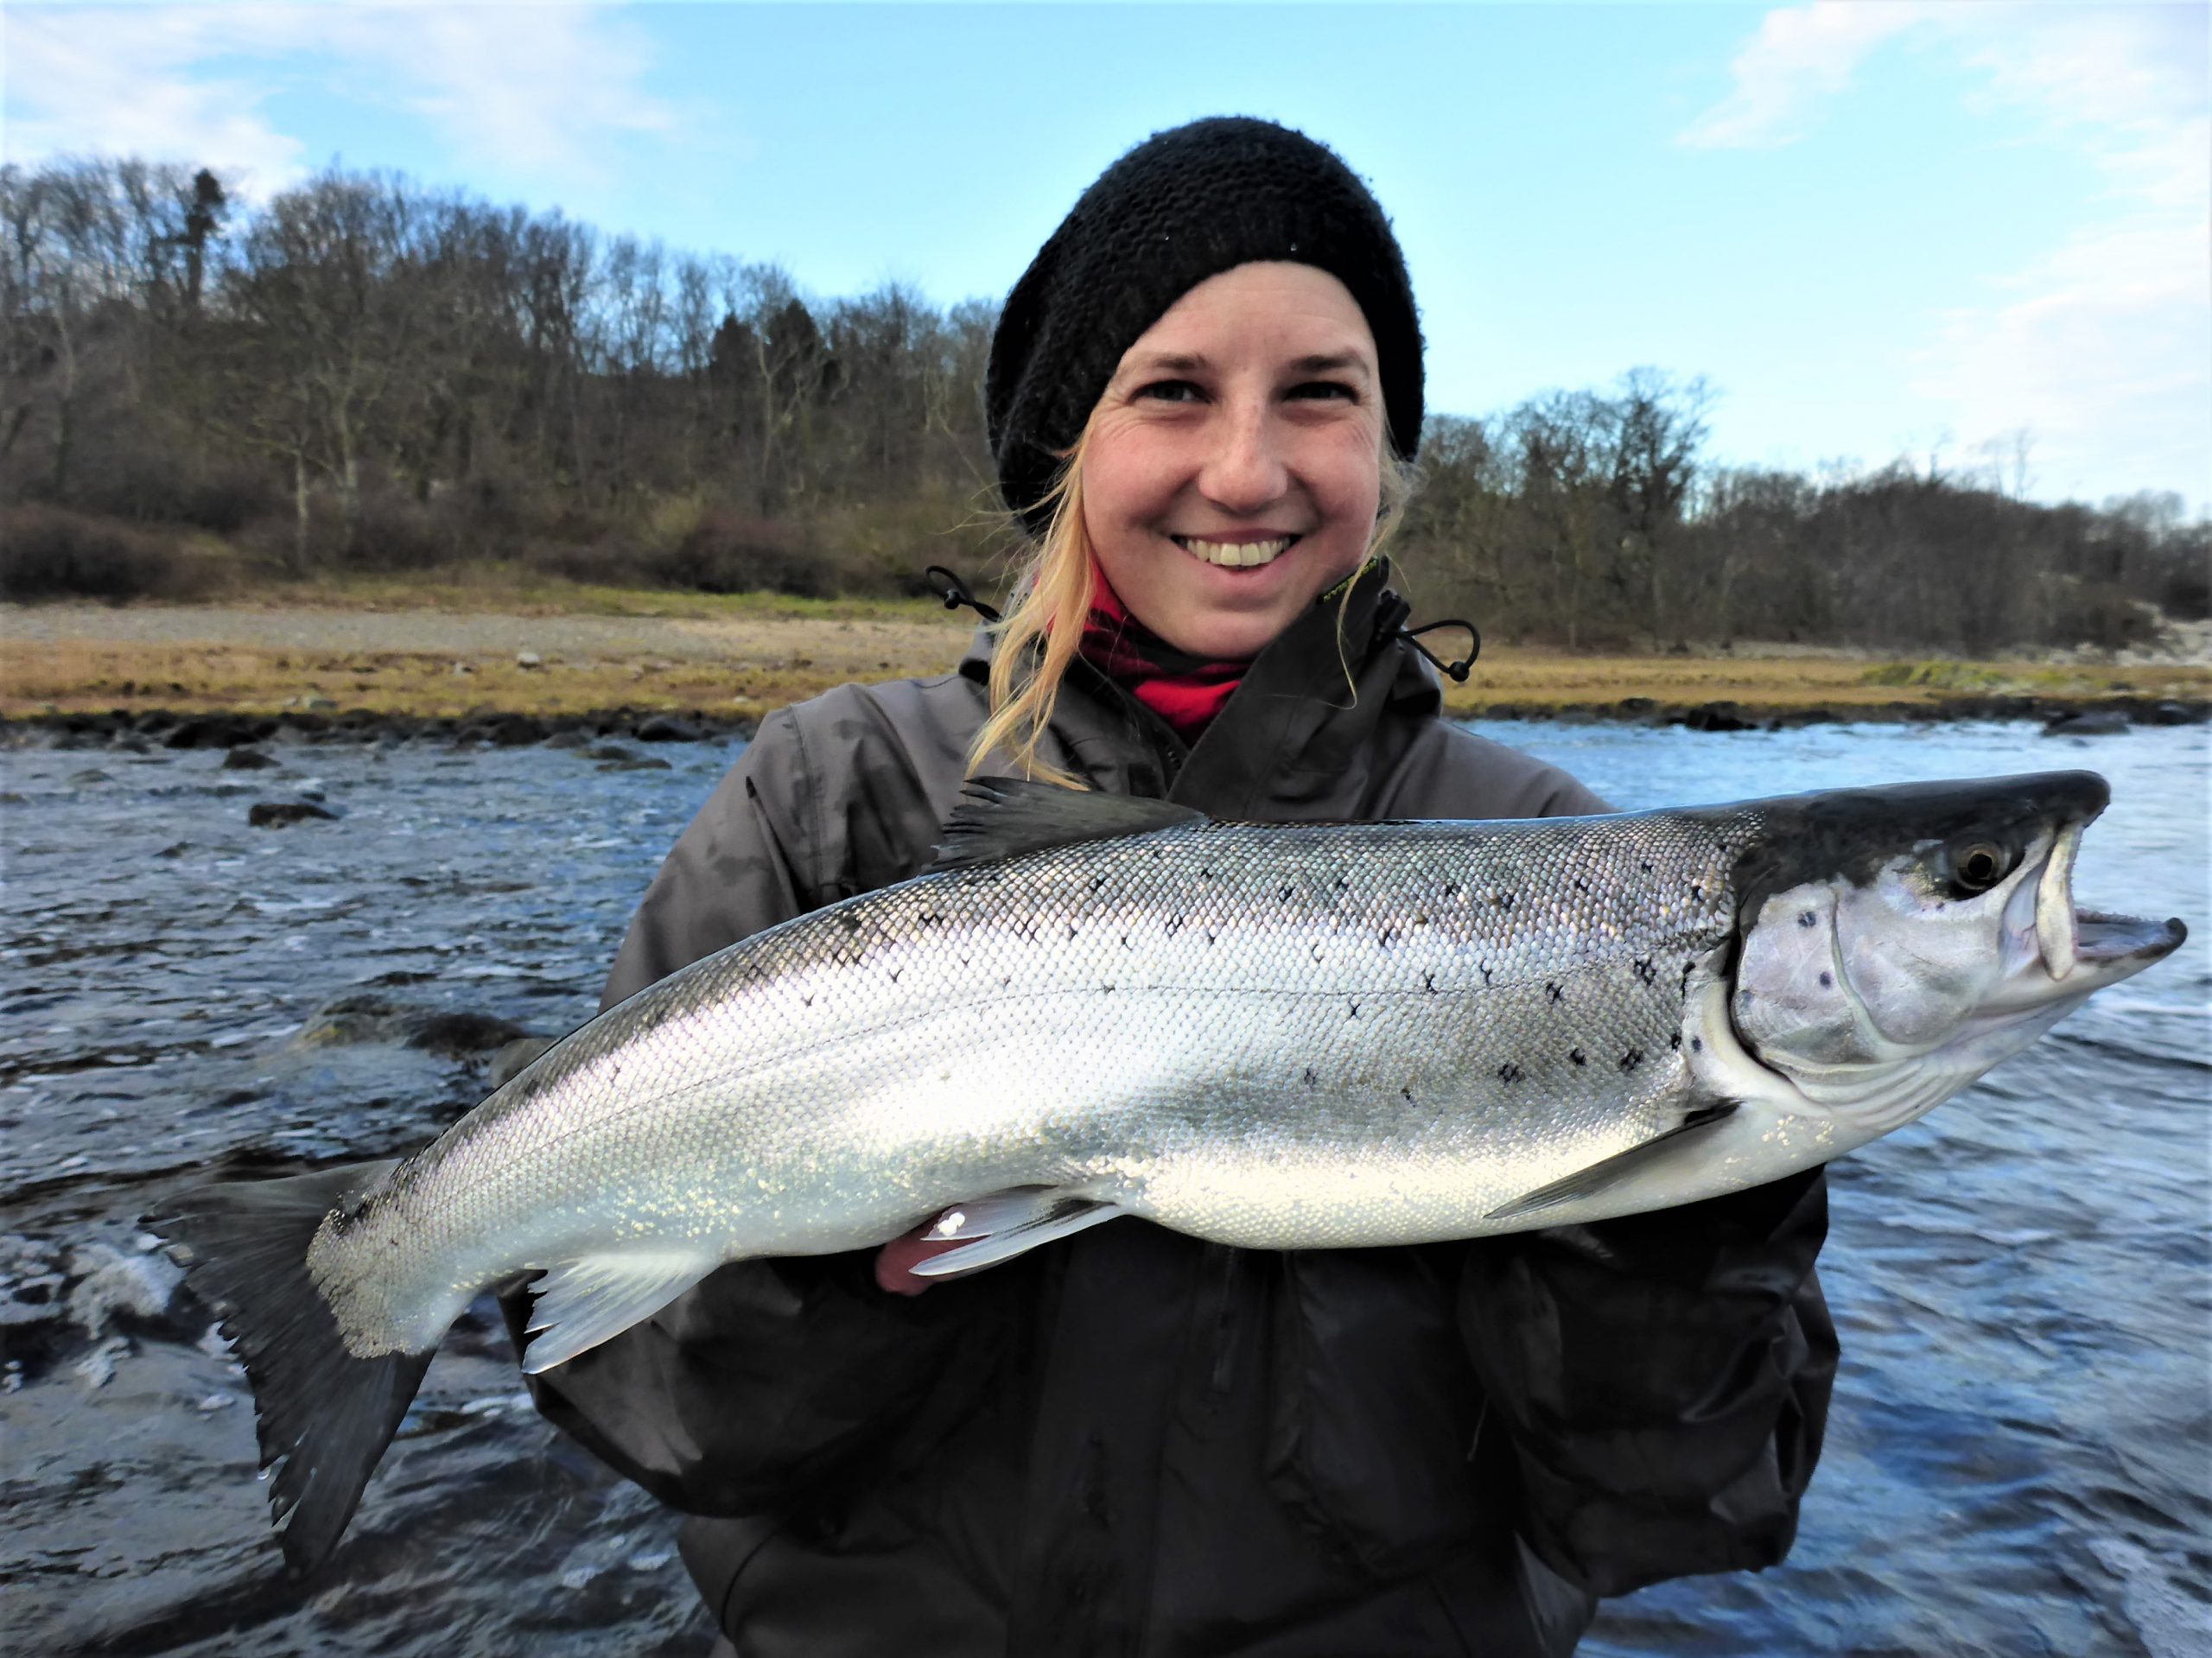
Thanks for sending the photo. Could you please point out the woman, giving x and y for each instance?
(1201, 396)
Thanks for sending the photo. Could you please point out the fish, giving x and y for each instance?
(1272, 1036)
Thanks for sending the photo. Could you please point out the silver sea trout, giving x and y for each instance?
(1279, 1037)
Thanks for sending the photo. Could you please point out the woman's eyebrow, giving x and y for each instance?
(1167, 362)
(1337, 363)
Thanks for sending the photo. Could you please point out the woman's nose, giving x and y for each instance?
(1245, 469)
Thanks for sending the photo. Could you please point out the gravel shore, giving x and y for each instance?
(860, 647)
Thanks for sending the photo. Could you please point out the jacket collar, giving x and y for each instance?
(1299, 739)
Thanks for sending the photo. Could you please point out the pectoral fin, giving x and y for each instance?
(1611, 1171)
(1008, 1224)
(582, 1303)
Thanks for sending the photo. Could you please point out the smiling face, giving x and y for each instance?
(1233, 470)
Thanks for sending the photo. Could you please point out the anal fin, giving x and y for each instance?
(1611, 1171)
(582, 1303)
(1008, 1224)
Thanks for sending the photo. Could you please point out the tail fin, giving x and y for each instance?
(326, 1414)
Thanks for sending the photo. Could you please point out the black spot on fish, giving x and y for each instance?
(1285, 894)
(1406, 1094)
(1428, 981)
(1355, 1011)
(1578, 1056)
(895, 972)
(1451, 889)
(1505, 900)
(1697, 893)
(1310, 1079)
(1174, 925)
(1070, 929)
(1645, 868)
(1509, 1072)
(1209, 935)
(1125, 941)
(1697, 1044)
(1581, 886)
(1675, 1040)
(1631, 1059)
(1808, 919)
(850, 922)
(806, 1001)
(1828, 981)
(1316, 952)
(1647, 971)
(1343, 886)
(1485, 974)
(1556, 994)
(1386, 936)
(1097, 881)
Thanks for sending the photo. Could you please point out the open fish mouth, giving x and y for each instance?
(2070, 939)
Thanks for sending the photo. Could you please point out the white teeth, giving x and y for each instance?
(1232, 556)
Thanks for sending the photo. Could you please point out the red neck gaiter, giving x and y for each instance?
(1185, 690)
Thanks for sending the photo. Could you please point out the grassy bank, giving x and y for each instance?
(497, 642)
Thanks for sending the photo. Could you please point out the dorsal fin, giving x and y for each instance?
(1003, 817)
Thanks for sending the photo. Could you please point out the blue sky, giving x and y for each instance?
(1877, 228)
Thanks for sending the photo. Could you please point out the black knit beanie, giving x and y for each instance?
(1185, 205)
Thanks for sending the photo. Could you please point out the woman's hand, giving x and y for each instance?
(896, 1261)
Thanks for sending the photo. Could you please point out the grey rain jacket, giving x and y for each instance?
(1132, 1442)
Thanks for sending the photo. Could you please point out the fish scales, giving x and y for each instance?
(1282, 1037)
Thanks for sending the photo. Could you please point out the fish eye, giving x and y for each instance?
(1977, 866)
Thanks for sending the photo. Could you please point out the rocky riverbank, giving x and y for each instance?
(602, 732)
(208, 675)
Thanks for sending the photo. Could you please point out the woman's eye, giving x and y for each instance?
(1170, 391)
(1325, 389)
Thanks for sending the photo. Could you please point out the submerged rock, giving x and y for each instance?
(276, 814)
(667, 728)
(2092, 724)
(451, 1033)
(247, 760)
(1717, 716)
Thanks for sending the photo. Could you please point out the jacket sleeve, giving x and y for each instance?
(1663, 1379)
(770, 1380)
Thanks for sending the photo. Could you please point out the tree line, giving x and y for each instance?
(365, 374)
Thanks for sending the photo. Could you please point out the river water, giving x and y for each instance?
(2018, 1461)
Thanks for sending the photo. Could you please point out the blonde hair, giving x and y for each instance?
(1054, 594)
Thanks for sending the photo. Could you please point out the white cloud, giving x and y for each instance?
(535, 89)
(1800, 55)
(108, 80)
(532, 90)
(2101, 348)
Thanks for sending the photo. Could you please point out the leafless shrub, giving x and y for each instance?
(49, 552)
